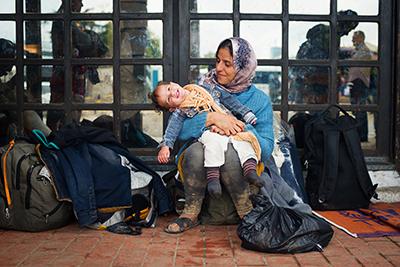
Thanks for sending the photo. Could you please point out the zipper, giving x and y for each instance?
(18, 172)
(29, 184)
(46, 216)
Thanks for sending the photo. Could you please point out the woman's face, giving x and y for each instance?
(224, 66)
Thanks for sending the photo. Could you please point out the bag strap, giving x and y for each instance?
(4, 162)
(331, 164)
(353, 146)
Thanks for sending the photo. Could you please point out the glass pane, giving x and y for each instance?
(7, 83)
(309, 40)
(211, 6)
(308, 85)
(42, 6)
(37, 83)
(99, 84)
(90, 6)
(205, 36)
(7, 30)
(141, 128)
(7, 6)
(141, 38)
(101, 118)
(361, 43)
(137, 81)
(358, 85)
(55, 119)
(259, 6)
(309, 7)
(38, 39)
(265, 45)
(367, 129)
(362, 7)
(134, 6)
(89, 38)
(268, 79)
(197, 71)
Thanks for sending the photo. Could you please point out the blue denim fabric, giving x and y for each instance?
(291, 170)
(177, 117)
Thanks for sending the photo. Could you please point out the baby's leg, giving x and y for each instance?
(248, 159)
(215, 146)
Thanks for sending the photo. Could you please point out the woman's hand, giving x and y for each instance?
(226, 124)
(163, 155)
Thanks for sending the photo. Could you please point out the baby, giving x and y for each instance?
(192, 99)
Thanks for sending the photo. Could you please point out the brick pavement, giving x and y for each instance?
(201, 246)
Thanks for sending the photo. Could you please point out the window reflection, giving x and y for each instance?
(259, 6)
(141, 38)
(99, 89)
(38, 43)
(7, 6)
(308, 85)
(7, 30)
(361, 43)
(7, 83)
(37, 83)
(210, 6)
(358, 85)
(137, 81)
(309, 40)
(90, 6)
(362, 7)
(141, 128)
(309, 7)
(89, 38)
(268, 79)
(204, 42)
(41, 6)
(266, 45)
(140, 6)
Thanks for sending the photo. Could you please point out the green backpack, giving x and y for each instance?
(28, 196)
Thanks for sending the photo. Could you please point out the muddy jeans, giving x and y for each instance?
(231, 176)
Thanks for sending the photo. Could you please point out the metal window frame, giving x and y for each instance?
(176, 59)
(385, 71)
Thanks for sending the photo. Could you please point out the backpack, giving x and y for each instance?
(28, 198)
(337, 176)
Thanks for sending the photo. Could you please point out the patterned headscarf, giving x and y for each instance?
(245, 62)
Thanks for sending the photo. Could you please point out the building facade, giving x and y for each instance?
(70, 60)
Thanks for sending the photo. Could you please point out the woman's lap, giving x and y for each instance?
(231, 176)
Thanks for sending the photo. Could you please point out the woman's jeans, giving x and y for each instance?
(231, 176)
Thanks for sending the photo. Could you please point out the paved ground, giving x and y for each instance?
(201, 246)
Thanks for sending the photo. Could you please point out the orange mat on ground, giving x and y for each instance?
(381, 219)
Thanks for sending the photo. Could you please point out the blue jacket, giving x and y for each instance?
(221, 97)
(90, 174)
(259, 103)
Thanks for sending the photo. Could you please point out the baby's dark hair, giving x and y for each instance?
(153, 96)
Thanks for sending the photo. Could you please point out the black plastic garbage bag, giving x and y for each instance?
(273, 229)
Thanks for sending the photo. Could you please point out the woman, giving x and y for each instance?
(235, 67)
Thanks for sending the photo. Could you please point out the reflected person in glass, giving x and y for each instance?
(234, 69)
(309, 84)
(359, 82)
(85, 43)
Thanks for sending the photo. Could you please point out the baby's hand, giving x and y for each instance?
(163, 155)
(250, 118)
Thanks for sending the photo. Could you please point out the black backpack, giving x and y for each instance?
(337, 177)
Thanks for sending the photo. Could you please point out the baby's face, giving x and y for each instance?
(170, 95)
